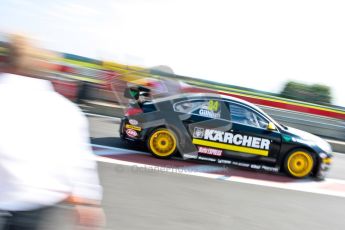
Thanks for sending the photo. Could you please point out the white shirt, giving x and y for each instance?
(45, 154)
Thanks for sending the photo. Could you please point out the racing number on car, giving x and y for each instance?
(213, 105)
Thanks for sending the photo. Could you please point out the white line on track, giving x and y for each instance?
(102, 116)
(117, 149)
(335, 142)
(325, 187)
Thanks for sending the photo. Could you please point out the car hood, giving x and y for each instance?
(310, 138)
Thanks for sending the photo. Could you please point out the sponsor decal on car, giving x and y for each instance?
(133, 122)
(208, 113)
(209, 151)
(190, 156)
(198, 132)
(247, 165)
(211, 109)
(206, 159)
(131, 133)
(230, 141)
(288, 138)
(136, 128)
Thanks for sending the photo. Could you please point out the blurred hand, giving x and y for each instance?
(91, 217)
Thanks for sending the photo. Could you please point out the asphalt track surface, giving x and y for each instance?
(141, 192)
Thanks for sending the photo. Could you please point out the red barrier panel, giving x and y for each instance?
(66, 88)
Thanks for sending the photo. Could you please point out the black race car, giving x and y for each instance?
(222, 129)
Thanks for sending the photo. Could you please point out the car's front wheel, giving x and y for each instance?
(162, 143)
(299, 163)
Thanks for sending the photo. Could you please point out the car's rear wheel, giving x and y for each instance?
(299, 163)
(162, 143)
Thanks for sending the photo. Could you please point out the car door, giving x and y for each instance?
(203, 117)
(250, 133)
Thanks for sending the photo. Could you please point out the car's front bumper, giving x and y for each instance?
(324, 166)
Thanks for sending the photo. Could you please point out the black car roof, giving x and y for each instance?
(213, 95)
(205, 95)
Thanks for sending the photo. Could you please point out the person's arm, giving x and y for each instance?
(86, 192)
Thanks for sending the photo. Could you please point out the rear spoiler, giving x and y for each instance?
(136, 91)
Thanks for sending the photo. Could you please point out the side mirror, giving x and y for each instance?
(271, 126)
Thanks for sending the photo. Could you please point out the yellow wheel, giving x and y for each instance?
(299, 163)
(162, 143)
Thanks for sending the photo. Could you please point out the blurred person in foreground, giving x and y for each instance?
(45, 157)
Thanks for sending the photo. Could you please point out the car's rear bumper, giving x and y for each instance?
(130, 132)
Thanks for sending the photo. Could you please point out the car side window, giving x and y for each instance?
(188, 106)
(206, 108)
(263, 123)
(245, 116)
